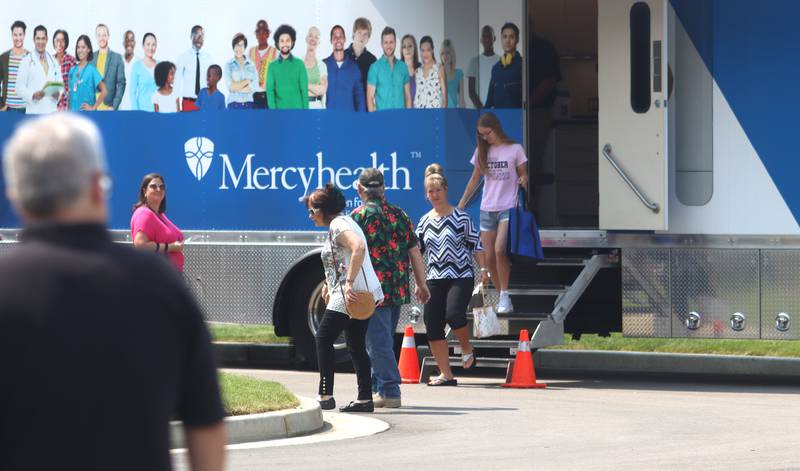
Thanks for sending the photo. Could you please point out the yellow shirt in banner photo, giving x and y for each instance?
(101, 67)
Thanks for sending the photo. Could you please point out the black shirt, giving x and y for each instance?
(100, 346)
(363, 61)
(544, 65)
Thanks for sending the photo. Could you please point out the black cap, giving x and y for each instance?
(262, 26)
(371, 178)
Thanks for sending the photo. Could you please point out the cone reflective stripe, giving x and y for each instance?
(523, 375)
(409, 362)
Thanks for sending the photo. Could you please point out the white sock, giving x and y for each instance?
(503, 292)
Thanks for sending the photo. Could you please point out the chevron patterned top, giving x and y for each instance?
(448, 243)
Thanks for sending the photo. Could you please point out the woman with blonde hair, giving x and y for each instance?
(453, 76)
(503, 165)
(448, 241)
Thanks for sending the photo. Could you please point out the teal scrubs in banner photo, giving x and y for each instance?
(389, 83)
(83, 85)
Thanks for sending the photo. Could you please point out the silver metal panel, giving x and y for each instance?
(780, 292)
(716, 284)
(646, 293)
(550, 238)
(238, 283)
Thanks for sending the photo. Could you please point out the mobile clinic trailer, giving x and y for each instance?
(665, 188)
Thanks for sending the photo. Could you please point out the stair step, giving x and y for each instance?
(486, 343)
(483, 362)
(520, 316)
(533, 289)
(562, 262)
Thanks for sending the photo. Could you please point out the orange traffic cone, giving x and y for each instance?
(409, 362)
(523, 375)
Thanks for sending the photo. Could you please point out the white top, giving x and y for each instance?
(125, 104)
(185, 73)
(166, 103)
(429, 89)
(32, 77)
(336, 274)
(481, 68)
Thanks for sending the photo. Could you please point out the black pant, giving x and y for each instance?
(260, 100)
(448, 304)
(355, 332)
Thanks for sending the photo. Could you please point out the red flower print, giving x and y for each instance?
(371, 229)
(393, 245)
(379, 275)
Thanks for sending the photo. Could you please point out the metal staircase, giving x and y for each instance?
(540, 308)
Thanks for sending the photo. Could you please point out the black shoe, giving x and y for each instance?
(358, 407)
(327, 404)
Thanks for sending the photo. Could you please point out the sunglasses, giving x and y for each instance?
(313, 211)
(157, 186)
(484, 136)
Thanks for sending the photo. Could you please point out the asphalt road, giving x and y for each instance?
(574, 424)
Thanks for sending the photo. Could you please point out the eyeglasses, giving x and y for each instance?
(484, 136)
(157, 186)
(313, 211)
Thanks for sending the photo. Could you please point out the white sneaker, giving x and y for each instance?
(504, 305)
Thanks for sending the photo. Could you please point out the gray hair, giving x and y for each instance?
(376, 192)
(49, 162)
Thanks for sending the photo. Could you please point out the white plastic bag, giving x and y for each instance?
(484, 319)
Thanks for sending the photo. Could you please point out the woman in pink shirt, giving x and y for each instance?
(503, 165)
(150, 227)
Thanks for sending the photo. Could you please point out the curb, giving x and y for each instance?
(605, 362)
(302, 420)
(555, 362)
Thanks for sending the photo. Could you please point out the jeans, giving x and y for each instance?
(240, 106)
(329, 329)
(380, 346)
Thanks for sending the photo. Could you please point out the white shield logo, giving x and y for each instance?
(199, 153)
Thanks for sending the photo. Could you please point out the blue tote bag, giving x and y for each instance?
(523, 232)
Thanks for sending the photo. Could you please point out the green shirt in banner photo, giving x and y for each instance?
(287, 84)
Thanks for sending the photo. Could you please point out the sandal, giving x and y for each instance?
(441, 380)
(468, 359)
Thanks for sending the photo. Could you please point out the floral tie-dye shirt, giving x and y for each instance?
(390, 233)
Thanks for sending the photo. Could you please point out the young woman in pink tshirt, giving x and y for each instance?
(503, 165)
(150, 228)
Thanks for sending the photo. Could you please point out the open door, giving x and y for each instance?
(632, 85)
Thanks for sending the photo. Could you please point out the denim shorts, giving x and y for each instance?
(491, 219)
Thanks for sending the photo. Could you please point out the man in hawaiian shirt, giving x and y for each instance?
(392, 245)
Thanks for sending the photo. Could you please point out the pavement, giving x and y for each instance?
(574, 424)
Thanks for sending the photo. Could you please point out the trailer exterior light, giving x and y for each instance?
(783, 322)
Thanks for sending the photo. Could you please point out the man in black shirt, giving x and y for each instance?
(100, 345)
(357, 51)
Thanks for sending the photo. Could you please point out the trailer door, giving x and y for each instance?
(632, 82)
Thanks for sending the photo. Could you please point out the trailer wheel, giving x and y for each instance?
(307, 313)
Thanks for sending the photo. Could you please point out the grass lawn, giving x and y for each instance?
(778, 348)
(243, 395)
(245, 333)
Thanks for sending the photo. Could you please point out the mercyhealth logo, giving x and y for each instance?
(199, 152)
(246, 175)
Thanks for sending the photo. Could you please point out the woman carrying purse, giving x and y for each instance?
(348, 271)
